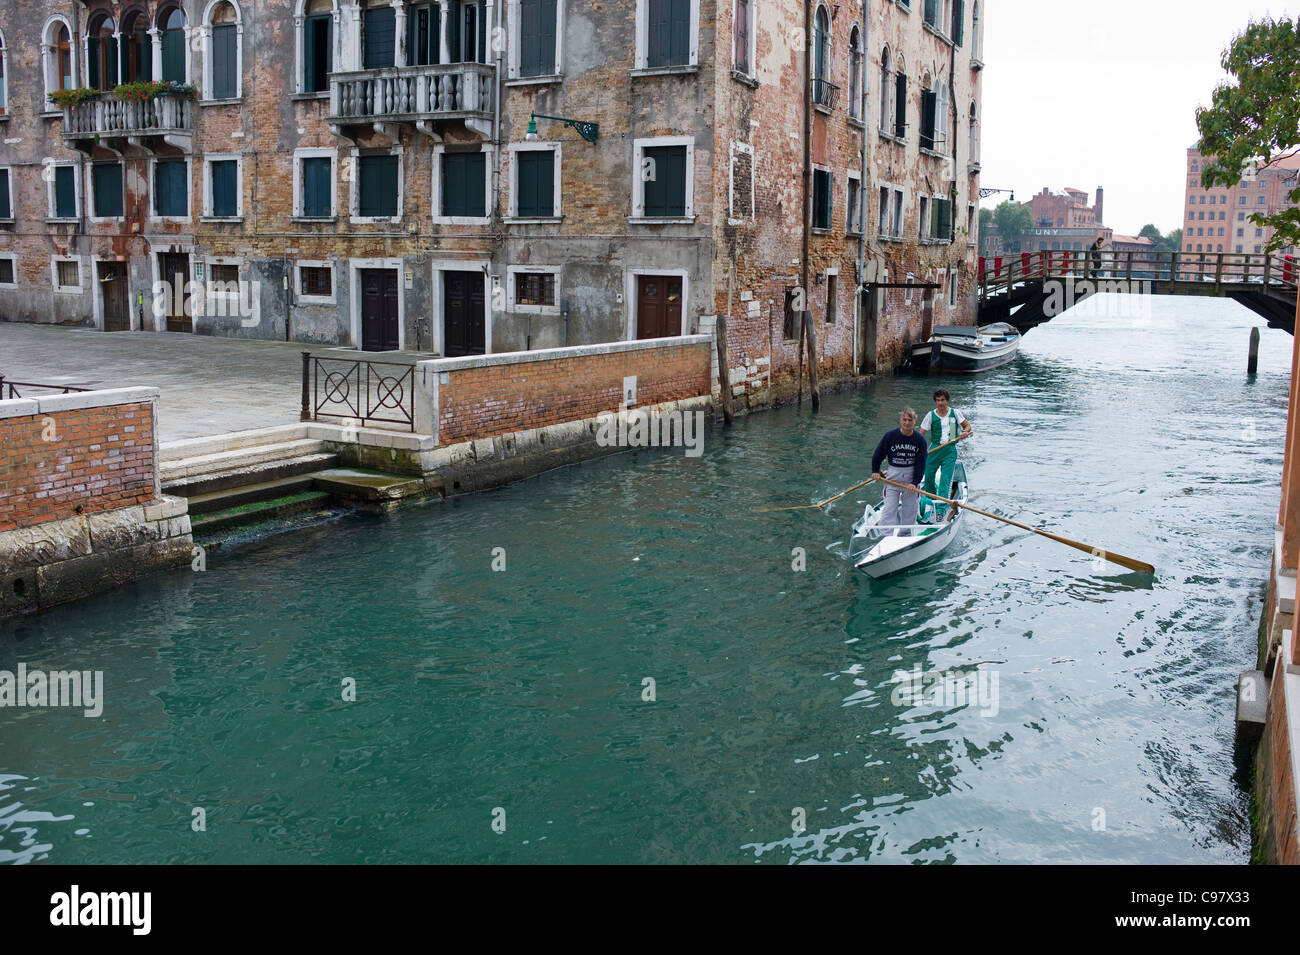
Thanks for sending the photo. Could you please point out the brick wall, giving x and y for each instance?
(1279, 803)
(491, 397)
(59, 460)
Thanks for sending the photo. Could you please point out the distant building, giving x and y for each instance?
(1217, 219)
(1062, 221)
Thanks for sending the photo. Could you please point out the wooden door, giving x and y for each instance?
(379, 310)
(174, 269)
(658, 306)
(117, 303)
(464, 332)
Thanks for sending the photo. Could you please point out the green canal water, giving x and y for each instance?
(517, 695)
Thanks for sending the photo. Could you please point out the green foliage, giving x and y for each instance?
(1257, 117)
(135, 92)
(1012, 219)
(1162, 243)
(1174, 241)
(67, 98)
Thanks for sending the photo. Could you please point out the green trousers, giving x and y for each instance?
(942, 465)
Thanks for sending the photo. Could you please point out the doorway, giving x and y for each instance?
(463, 325)
(379, 311)
(114, 296)
(658, 306)
(174, 270)
(867, 330)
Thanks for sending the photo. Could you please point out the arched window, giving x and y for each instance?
(974, 135)
(886, 91)
(101, 53)
(174, 48)
(223, 32)
(136, 50)
(58, 64)
(929, 103)
(855, 74)
(316, 34)
(900, 98)
(821, 57)
(4, 83)
(976, 36)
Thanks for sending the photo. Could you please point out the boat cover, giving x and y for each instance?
(970, 330)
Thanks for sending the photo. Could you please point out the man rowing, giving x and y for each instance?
(905, 451)
(939, 427)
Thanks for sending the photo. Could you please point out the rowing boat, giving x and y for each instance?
(883, 551)
(962, 349)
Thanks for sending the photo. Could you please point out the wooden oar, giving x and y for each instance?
(1129, 562)
(805, 507)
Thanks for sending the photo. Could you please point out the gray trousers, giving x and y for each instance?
(900, 506)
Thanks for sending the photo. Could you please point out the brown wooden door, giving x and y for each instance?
(658, 306)
(174, 269)
(116, 298)
(463, 327)
(379, 309)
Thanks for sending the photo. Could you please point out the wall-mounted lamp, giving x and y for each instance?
(588, 131)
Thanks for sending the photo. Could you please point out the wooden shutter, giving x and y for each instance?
(92, 64)
(453, 30)
(679, 37)
(380, 41)
(108, 189)
(537, 28)
(665, 195)
(225, 199)
(378, 186)
(173, 56)
(476, 184)
(742, 36)
(65, 193)
(658, 32)
(453, 184)
(171, 189)
(536, 183)
(225, 69)
(6, 210)
(932, 12)
(110, 63)
(316, 188)
(900, 105)
(942, 219)
(821, 199)
(959, 22)
(927, 118)
(317, 54)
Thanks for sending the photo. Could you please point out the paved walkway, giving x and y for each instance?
(208, 385)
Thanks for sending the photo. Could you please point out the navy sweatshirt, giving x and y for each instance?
(902, 452)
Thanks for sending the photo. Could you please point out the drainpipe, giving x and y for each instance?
(807, 174)
(494, 16)
(862, 195)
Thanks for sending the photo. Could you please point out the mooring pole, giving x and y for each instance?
(1252, 360)
(305, 414)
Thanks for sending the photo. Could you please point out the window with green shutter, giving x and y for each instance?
(317, 54)
(821, 199)
(941, 219)
(928, 101)
(317, 188)
(107, 180)
(225, 63)
(423, 40)
(377, 186)
(379, 48)
(6, 208)
(464, 183)
(537, 28)
(225, 187)
(668, 32)
(535, 180)
(171, 193)
(173, 47)
(65, 192)
(663, 172)
(959, 22)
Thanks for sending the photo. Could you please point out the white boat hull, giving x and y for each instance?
(881, 556)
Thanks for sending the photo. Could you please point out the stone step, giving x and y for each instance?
(209, 483)
(206, 526)
(227, 498)
(171, 471)
(359, 484)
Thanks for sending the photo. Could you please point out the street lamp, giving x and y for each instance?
(985, 193)
(588, 131)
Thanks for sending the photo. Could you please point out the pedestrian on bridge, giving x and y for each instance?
(1094, 254)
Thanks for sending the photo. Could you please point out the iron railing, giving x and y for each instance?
(367, 392)
(825, 93)
(9, 388)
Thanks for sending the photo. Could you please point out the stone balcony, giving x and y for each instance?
(106, 119)
(413, 94)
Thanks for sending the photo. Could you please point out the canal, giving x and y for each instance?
(503, 647)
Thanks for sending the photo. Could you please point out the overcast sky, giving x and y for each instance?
(1104, 94)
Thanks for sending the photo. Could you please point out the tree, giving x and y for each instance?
(1012, 219)
(1174, 241)
(1149, 231)
(986, 220)
(1256, 119)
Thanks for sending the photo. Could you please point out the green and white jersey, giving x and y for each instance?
(941, 430)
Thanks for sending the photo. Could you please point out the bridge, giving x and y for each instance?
(1027, 289)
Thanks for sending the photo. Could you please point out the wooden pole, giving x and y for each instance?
(813, 388)
(1252, 359)
(724, 370)
(799, 399)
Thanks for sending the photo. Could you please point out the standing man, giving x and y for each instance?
(905, 450)
(939, 427)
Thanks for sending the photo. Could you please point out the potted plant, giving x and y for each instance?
(65, 99)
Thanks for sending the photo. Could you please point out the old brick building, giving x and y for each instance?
(370, 172)
(1218, 218)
